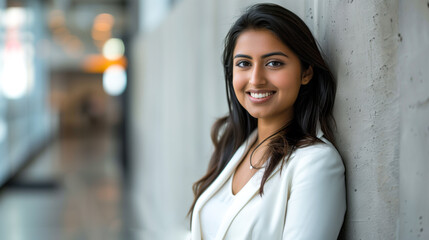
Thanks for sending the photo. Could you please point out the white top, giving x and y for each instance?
(306, 200)
(216, 207)
(214, 210)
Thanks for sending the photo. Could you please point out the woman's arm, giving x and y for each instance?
(317, 202)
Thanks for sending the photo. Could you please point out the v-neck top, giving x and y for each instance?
(213, 212)
(215, 209)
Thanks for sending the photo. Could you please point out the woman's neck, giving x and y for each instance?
(266, 128)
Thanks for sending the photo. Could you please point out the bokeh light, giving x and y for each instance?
(113, 49)
(114, 80)
(14, 17)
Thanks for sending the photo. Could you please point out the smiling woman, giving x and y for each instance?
(275, 173)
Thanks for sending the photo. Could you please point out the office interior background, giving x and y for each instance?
(106, 108)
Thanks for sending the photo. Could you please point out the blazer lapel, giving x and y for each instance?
(242, 198)
(217, 184)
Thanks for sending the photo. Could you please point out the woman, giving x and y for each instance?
(275, 173)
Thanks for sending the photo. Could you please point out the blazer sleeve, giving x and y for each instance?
(317, 202)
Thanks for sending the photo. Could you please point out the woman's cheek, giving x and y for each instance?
(238, 85)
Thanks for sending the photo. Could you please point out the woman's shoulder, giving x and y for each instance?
(318, 165)
(322, 154)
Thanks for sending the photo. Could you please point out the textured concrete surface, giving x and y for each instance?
(413, 78)
(360, 41)
(378, 53)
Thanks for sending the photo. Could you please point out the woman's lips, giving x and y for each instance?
(260, 96)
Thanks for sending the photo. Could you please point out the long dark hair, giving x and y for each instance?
(313, 105)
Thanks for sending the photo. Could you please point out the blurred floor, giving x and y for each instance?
(72, 190)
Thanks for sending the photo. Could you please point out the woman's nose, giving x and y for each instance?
(257, 76)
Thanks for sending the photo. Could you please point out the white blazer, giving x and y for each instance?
(306, 200)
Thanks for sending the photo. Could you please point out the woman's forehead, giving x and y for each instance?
(259, 42)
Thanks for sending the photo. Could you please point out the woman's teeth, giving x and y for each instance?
(260, 95)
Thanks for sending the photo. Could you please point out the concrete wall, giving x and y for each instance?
(413, 77)
(381, 110)
(360, 41)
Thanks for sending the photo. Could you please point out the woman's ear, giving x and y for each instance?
(307, 75)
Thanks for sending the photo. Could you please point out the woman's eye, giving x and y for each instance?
(242, 64)
(275, 64)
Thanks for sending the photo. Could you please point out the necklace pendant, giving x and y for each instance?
(250, 167)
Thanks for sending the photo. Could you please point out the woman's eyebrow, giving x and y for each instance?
(263, 56)
(242, 56)
(274, 53)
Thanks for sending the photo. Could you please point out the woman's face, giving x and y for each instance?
(267, 75)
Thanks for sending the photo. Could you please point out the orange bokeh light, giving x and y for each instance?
(98, 63)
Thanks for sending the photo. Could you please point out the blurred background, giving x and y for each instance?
(106, 108)
(63, 91)
(64, 100)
